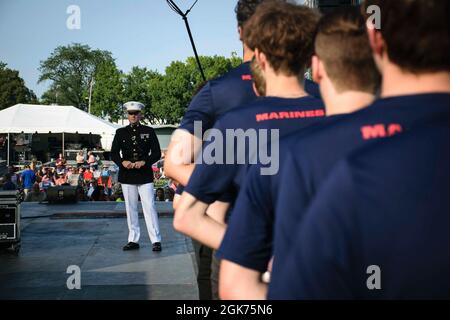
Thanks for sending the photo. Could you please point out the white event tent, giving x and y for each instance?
(26, 118)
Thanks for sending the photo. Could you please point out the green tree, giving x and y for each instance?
(136, 88)
(71, 70)
(54, 95)
(13, 89)
(213, 67)
(107, 93)
(172, 93)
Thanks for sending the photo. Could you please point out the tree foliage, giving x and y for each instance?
(172, 93)
(55, 95)
(107, 93)
(166, 96)
(13, 89)
(136, 88)
(71, 69)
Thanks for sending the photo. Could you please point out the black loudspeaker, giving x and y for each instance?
(10, 221)
(62, 194)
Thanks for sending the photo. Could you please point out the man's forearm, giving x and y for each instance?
(115, 151)
(260, 291)
(191, 219)
(209, 232)
(203, 229)
(256, 290)
(155, 155)
(218, 211)
(180, 173)
(180, 156)
(240, 283)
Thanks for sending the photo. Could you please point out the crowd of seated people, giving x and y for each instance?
(93, 181)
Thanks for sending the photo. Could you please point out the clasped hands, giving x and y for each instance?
(133, 165)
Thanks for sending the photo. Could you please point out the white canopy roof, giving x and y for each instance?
(29, 118)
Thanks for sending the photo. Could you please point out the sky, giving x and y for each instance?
(143, 33)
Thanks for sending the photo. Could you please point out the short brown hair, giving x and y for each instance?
(284, 32)
(416, 32)
(343, 46)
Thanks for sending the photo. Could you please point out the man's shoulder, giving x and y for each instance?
(142, 128)
(233, 76)
(121, 130)
(323, 132)
(430, 140)
(239, 71)
(233, 119)
(240, 112)
(145, 128)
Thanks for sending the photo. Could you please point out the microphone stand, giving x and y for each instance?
(184, 15)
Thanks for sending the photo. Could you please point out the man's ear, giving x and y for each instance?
(241, 32)
(261, 59)
(378, 47)
(316, 67)
(376, 42)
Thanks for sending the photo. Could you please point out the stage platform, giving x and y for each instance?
(91, 235)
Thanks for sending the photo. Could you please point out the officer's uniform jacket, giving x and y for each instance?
(136, 143)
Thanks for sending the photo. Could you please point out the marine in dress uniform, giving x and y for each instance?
(135, 149)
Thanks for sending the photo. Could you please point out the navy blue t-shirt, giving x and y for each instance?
(312, 89)
(378, 227)
(250, 233)
(249, 236)
(309, 163)
(265, 115)
(219, 96)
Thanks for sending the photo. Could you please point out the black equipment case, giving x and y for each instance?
(10, 221)
(62, 194)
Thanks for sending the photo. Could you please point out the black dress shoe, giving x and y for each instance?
(131, 246)
(157, 246)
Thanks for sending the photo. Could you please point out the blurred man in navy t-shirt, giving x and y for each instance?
(381, 209)
(214, 99)
(283, 49)
(348, 81)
